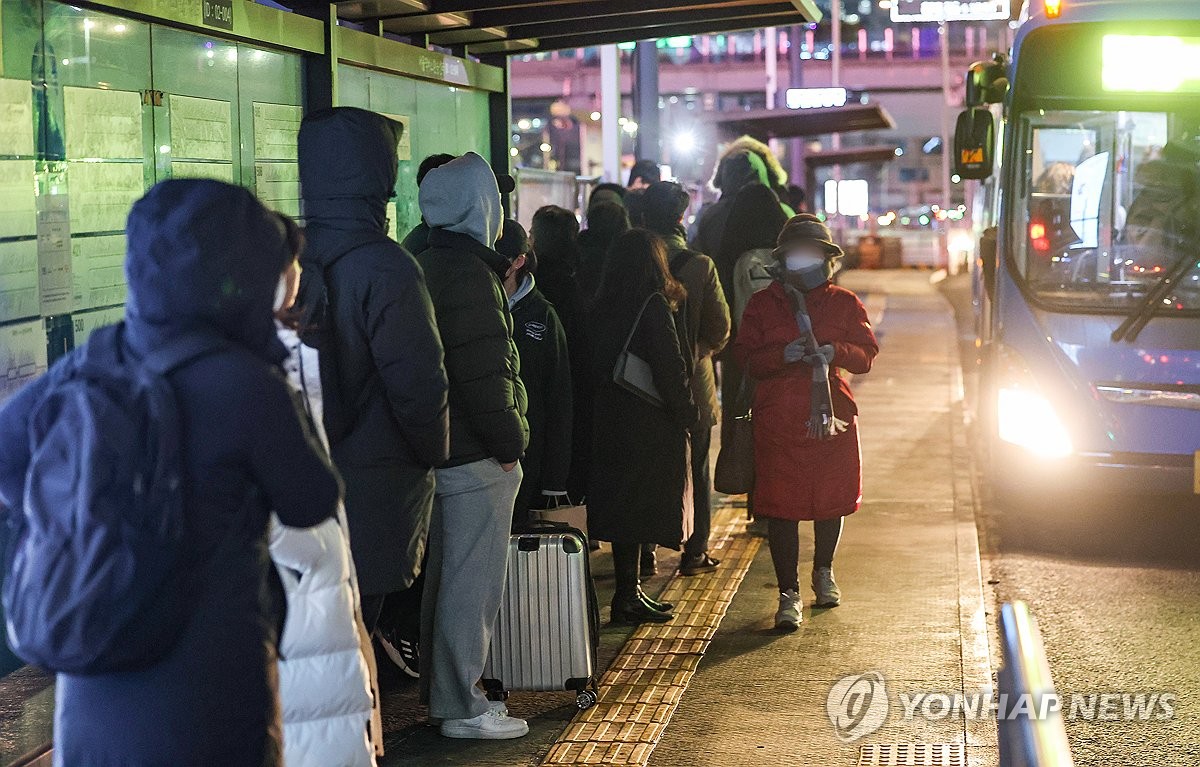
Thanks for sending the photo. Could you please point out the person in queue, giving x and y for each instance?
(735, 170)
(794, 339)
(546, 374)
(643, 173)
(640, 489)
(705, 322)
(607, 192)
(777, 177)
(552, 239)
(417, 240)
(553, 244)
(204, 259)
(328, 695)
(606, 220)
(384, 387)
(755, 221)
(748, 244)
(477, 487)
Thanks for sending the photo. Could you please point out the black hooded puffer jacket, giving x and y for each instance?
(383, 381)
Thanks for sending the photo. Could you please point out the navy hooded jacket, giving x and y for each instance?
(383, 382)
(203, 256)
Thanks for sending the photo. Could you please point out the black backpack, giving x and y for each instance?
(93, 581)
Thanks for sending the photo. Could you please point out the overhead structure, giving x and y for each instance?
(767, 124)
(482, 27)
(851, 155)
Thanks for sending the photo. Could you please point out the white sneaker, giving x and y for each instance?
(492, 725)
(497, 706)
(789, 615)
(827, 591)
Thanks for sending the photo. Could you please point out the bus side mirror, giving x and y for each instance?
(987, 82)
(975, 144)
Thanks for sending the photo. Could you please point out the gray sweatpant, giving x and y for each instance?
(464, 583)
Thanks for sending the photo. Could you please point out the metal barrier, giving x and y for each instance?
(1030, 716)
(537, 187)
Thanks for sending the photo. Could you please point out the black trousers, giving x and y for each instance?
(697, 544)
(783, 536)
(397, 611)
(625, 569)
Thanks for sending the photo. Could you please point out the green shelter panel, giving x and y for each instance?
(198, 127)
(438, 119)
(270, 100)
(97, 71)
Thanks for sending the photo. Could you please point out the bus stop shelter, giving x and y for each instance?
(484, 27)
(766, 124)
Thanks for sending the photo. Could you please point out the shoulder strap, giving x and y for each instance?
(105, 349)
(181, 351)
(638, 320)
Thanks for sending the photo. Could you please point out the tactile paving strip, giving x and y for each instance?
(913, 755)
(642, 688)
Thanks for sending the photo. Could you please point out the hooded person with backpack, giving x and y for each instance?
(735, 170)
(164, 634)
(364, 304)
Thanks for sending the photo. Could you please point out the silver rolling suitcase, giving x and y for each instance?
(547, 633)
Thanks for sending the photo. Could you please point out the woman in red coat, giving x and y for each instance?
(794, 339)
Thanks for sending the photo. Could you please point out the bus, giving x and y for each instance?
(1087, 141)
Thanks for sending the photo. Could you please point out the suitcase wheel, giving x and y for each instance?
(585, 700)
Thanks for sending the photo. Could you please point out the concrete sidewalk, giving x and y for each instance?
(908, 565)
(719, 686)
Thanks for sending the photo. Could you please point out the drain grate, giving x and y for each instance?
(913, 755)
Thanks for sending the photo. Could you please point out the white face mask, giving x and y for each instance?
(801, 260)
(281, 292)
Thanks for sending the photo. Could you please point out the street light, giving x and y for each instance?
(685, 142)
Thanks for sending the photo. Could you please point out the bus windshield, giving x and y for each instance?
(1112, 204)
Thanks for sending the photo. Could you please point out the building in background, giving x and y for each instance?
(898, 65)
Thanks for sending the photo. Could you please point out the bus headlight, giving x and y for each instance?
(1027, 419)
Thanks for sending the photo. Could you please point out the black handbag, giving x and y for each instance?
(633, 373)
(734, 473)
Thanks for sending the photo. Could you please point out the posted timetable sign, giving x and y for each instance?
(950, 10)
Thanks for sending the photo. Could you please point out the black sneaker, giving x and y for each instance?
(695, 564)
(401, 650)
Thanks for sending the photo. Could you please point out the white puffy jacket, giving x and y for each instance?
(327, 684)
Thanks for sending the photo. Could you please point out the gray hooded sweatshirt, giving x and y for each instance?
(462, 196)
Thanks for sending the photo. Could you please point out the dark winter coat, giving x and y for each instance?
(203, 257)
(593, 247)
(546, 373)
(640, 478)
(383, 382)
(417, 240)
(734, 171)
(558, 281)
(461, 203)
(797, 477)
(705, 321)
